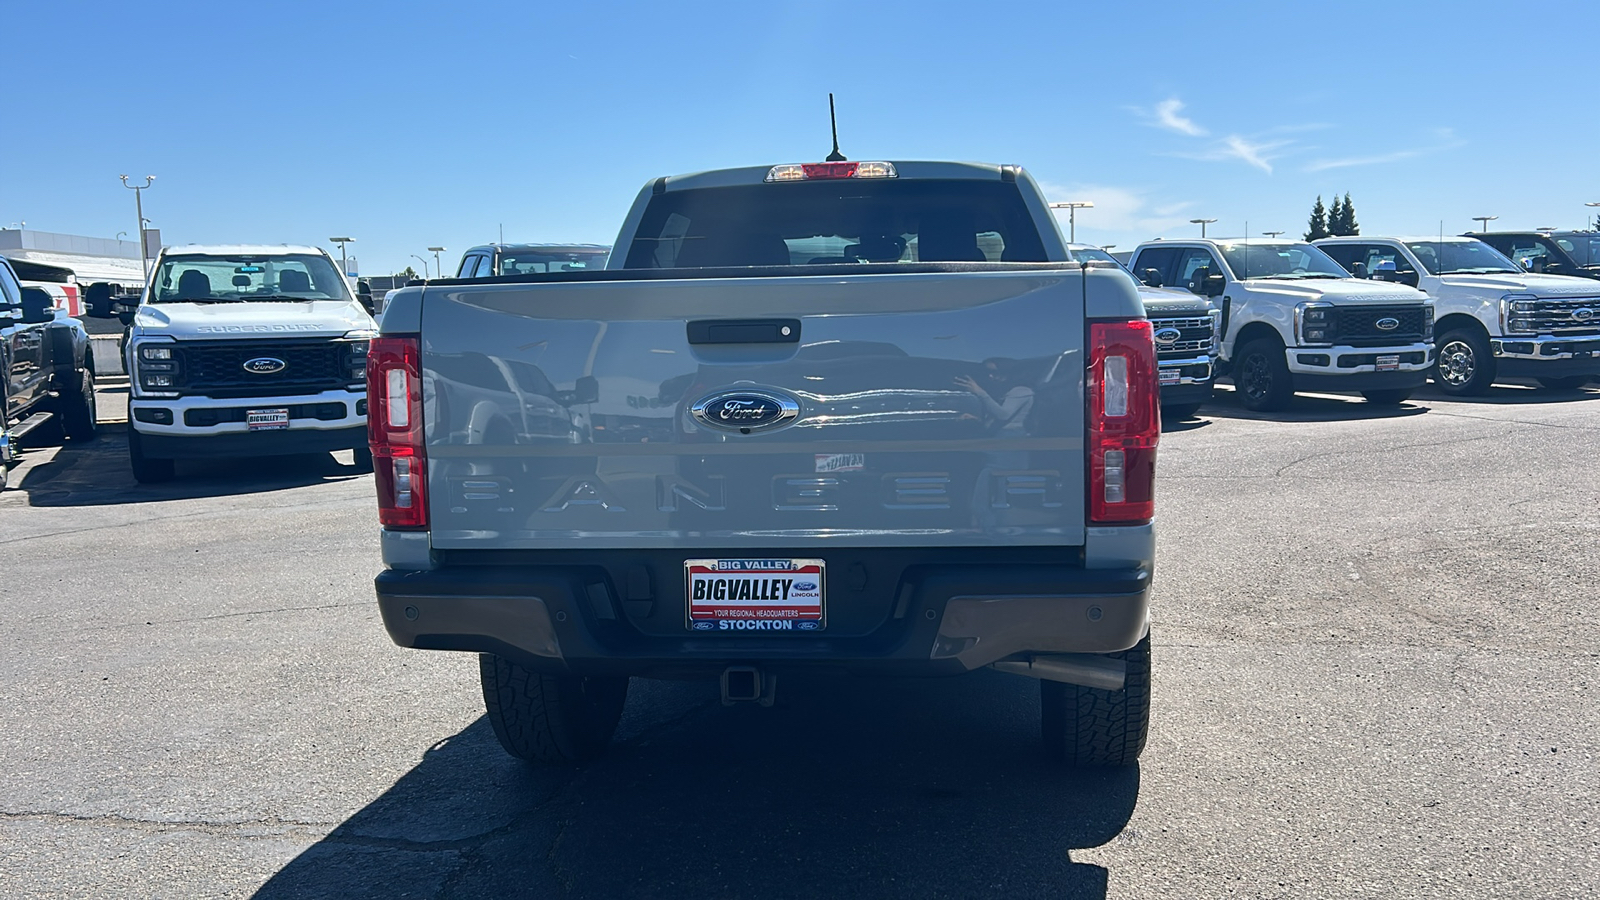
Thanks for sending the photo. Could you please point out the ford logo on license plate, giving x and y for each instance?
(265, 365)
(1387, 323)
(745, 411)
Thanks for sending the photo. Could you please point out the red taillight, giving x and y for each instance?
(1124, 422)
(394, 429)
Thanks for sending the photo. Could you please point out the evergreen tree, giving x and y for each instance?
(1336, 217)
(1319, 221)
(1348, 226)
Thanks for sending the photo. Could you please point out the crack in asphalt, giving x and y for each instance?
(1423, 446)
(1456, 415)
(119, 821)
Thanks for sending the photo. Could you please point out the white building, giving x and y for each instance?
(91, 259)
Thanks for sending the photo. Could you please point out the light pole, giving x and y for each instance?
(1596, 223)
(1202, 223)
(1072, 207)
(436, 267)
(344, 264)
(1485, 220)
(138, 205)
(424, 265)
(1272, 234)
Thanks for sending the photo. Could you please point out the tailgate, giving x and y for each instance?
(909, 410)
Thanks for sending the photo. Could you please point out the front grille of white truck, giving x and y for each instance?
(1563, 316)
(1195, 336)
(1362, 326)
(217, 368)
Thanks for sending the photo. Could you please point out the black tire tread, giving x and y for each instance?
(1282, 394)
(549, 719)
(1085, 726)
(1485, 368)
(79, 420)
(145, 469)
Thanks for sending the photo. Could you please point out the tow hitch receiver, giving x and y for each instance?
(746, 684)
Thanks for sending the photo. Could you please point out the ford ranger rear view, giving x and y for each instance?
(864, 417)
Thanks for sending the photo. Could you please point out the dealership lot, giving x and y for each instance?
(1376, 665)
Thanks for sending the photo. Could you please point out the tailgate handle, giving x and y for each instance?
(745, 331)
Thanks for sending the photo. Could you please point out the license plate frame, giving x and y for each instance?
(1388, 363)
(271, 419)
(771, 595)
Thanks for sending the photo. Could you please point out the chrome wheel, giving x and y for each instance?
(1457, 363)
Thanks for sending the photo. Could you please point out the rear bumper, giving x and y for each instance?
(919, 618)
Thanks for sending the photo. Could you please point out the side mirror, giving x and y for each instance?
(125, 307)
(1151, 278)
(97, 300)
(37, 306)
(1408, 277)
(1214, 285)
(1537, 265)
(1553, 266)
(364, 294)
(1359, 270)
(585, 390)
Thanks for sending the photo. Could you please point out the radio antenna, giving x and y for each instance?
(833, 119)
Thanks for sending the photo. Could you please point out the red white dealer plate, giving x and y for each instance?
(730, 595)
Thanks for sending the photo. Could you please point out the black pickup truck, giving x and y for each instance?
(46, 372)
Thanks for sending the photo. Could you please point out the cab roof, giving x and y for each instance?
(242, 249)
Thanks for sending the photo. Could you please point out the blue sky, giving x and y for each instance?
(408, 125)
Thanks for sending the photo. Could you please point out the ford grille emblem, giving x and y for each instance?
(1387, 323)
(1583, 314)
(1168, 335)
(745, 411)
(265, 365)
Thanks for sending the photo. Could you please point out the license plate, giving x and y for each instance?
(267, 419)
(1169, 376)
(1388, 363)
(740, 595)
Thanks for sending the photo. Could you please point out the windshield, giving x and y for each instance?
(1456, 257)
(1286, 261)
(210, 278)
(550, 259)
(837, 222)
(1583, 248)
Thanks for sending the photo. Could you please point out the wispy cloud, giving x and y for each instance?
(1323, 165)
(1259, 154)
(1119, 210)
(1168, 114)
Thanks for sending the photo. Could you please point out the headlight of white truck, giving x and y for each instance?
(1313, 323)
(359, 342)
(158, 367)
(1515, 312)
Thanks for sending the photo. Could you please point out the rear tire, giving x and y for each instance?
(1177, 412)
(1393, 397)
(1261, 375)
(79, 418)
(550, 719)
(1085, 726)
(1465, 366)
(1566, 383)
(147, 470)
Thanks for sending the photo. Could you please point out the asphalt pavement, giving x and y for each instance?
(1375, 669)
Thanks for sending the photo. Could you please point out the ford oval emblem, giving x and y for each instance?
(1387, 323)
(1583, 314)
(745, 411)
(1167, 336)
(265, 365)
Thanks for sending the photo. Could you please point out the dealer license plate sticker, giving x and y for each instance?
(740, 595)
(267, 419)
(1388, 363)
(1169, 376)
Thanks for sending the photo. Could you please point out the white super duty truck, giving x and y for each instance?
(1294, 320)
(878, 421)
(245, 351)
(1494, 319)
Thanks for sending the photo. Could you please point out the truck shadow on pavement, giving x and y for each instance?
(848, 788)
(1512, 394)
(1225, 404)
(96, 473)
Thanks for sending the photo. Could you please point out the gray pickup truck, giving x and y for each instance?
(46, 372)
(864, 418)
